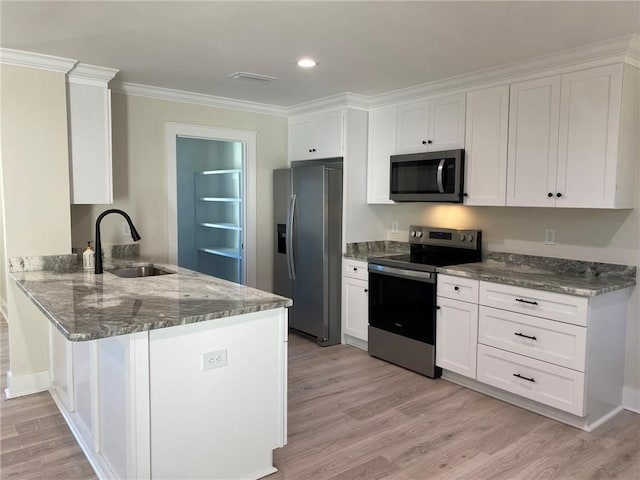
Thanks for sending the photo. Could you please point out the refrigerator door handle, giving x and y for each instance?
(290, 217)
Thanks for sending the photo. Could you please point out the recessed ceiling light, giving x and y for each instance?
(306, 63)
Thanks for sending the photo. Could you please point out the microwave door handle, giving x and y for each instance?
(439, 176)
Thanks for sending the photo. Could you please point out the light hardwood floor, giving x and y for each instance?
(352, 417)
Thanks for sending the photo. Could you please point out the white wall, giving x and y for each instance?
(35, 176)
(139, 173)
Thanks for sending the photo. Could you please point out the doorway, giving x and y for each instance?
(211, 197)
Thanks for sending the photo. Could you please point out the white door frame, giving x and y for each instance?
(174, 130)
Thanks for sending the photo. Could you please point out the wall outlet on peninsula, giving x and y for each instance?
(215, 359)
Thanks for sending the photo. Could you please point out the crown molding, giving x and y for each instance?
(181, 96)
(9, 56)
(621, 49)
(341, 100)
(86, 74)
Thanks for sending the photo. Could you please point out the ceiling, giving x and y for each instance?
(361, 47)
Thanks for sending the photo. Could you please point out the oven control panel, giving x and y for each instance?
(444, 236)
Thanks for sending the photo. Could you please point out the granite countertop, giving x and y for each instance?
(84, 306)
(380, 248)
(573, 277)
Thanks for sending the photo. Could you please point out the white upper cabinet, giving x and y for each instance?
(487, 125)
(382, 144)
(431, 125)
(316, 136)
(573, 139)
(89, 121)
(533, 142)
(590, 162)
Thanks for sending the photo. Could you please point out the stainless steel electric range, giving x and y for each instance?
(402, 295)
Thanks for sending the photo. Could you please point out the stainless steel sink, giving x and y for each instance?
(139, 271)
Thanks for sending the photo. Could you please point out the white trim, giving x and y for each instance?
(182, 96)
(356, 342)
(26, 384)
(94, 75)
(631, 399)
(341, 100)
(173, 130)
(9, 56)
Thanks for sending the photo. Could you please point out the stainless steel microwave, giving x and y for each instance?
(427, 177)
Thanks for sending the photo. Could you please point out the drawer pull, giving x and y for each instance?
(456, 288)
(366, 290)
(524, 378)
(522, 300)
(525, 336)
(355, 269)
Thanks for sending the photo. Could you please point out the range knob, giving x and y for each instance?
(413, 233)
(470, 238)
(462, 238)
(419, 233)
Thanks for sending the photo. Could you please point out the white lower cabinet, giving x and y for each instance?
(556, 354)
(355, 303)
(543, 382)
(457, 336)
(143, 406)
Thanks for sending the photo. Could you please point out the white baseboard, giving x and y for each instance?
(356, 342)
(26, 384)
(631, 399)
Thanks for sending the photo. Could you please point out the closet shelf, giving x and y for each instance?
(220, 172)
(224, 226)
(220, 199)
(223, 251)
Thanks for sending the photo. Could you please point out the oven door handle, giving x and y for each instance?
(439, 176)
(420, 276)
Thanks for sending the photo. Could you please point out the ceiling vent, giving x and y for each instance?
(253, 76)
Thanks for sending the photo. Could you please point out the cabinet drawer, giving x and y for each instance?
(458, 288)
(556, 306)
(547, 340)
(543, 382)
(355, 269)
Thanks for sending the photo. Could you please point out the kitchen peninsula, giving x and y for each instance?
(179, 375)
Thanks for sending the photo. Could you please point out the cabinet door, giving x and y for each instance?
(301, 138)
(589, 126)
(382, 144)
(412, 129)
(446, 122)
(457, 336)
(90, 143)
(487, 126)
(327, 140)
(533, 143)
(355, 307)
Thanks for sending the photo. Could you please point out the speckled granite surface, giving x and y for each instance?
(57, 263)
(573, 277)
(364, 250)
(84, 306)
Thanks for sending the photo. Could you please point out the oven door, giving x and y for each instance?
(403, 302)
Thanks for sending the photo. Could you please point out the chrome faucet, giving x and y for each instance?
(134, 235)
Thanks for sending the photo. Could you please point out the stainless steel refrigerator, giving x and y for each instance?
(307, 208)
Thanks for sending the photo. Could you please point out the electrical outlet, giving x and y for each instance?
(215, 359)
(550, 236)
(394, 227)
